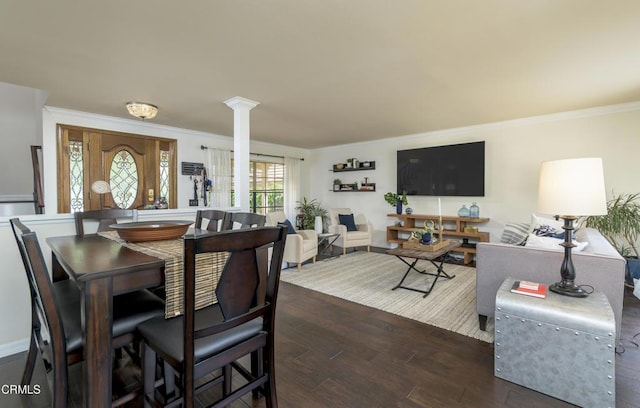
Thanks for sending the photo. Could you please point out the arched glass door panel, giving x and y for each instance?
(123, 179)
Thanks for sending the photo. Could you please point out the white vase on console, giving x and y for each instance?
(318, 225)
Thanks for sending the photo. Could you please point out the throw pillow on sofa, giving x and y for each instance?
(534, 241)
(545, 225)
(515, 233)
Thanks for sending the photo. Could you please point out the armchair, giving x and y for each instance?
(349, 239)
(299, 246)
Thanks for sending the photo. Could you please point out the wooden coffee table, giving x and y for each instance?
(416, 255)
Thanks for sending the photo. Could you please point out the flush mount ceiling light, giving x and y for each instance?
(142, 110)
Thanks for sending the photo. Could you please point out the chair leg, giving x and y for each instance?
(344, 250)
(257, 369)
(314, 259)
(148, 374)
(60, 382)
(32, 355)
(169, 379)
(227, 380)
(299, 266)
(368, 248)
(270, 394)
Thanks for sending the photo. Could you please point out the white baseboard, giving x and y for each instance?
(14, 347)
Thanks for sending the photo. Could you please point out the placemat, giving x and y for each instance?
(208, 269)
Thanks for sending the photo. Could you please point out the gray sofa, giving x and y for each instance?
(598, 265)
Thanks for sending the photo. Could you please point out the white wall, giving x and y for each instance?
(514, 151)
(20, 125)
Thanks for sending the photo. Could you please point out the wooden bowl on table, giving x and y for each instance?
(151, 230)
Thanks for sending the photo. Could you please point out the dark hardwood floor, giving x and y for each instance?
(334, 353)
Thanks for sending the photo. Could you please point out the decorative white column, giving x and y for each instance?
(241, 141)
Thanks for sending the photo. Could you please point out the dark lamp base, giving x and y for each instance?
(568, 289)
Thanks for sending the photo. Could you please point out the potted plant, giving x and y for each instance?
(621, 227)
(310, 209)
(424, 235)
(336, 184)
(396, 200)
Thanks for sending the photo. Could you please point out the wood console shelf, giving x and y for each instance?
(452, 227)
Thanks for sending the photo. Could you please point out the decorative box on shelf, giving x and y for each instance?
(354, 187)
(364, 165)
(422, 247)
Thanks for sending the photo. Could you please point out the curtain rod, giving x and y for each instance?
(203, 147)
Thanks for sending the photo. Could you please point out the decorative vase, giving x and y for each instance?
(317, 225)
(474, 210)
(409, 210)
(463, 211)
(426, 239)
(399, 207)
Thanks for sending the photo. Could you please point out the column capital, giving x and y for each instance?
(240, 102)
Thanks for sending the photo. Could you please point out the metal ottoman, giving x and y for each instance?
(560, 346)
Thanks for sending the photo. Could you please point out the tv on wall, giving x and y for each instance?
(452, 170)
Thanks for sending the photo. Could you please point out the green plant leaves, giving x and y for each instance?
(621, 225)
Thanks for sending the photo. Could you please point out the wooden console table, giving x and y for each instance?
(453, 227)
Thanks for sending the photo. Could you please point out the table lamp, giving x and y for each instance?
(569, 189)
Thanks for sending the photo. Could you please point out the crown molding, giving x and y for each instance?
(513, 123)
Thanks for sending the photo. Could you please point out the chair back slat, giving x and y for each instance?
(236, 290)
(246, 277)
(216, 218)
(105, 218)
(245, 219)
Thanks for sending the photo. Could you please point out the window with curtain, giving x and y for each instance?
(266, 187)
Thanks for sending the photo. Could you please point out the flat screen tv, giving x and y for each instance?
(453, 170)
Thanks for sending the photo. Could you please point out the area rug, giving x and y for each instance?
(367, 278)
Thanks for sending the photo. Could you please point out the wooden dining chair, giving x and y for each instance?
(104, 218)
(215, 337)
(216, 219)
(245, 219)
(56, 307)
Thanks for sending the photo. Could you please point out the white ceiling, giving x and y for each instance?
(325, 72)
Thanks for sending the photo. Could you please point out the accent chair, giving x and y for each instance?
(352, 235)
(300, 245)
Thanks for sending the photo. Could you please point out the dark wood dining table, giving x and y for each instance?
(102, 268)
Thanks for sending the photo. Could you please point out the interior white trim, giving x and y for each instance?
(552, 117)
(14, 347)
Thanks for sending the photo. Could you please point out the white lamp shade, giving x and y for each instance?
(572, 187)
(100, 187)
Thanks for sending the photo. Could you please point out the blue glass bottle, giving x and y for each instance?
(474, 210)
(463, 212)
